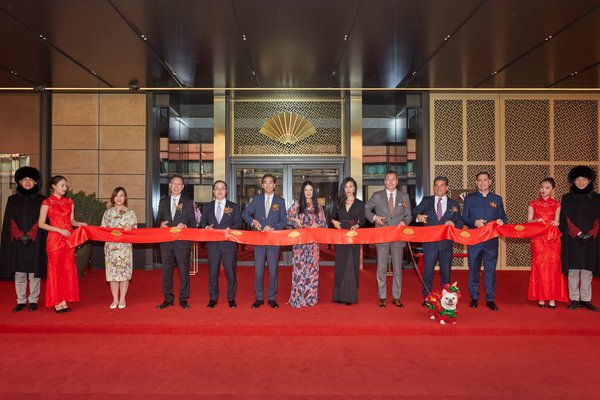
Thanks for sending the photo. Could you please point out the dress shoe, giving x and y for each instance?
(164, 304)
(573, 304)
(67, 309)
(381, 302)
(19, 307)
(184, 304)
(59, 310)
(211, 304)
(491, 305)
(32, 306)
(473, 303)
(541, 305)
(425, 304)
(257, 303)
(397, 303)
(273, 304)
(232, 304)
(552, 307)
(589, 305)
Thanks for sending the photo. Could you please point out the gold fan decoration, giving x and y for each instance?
(288, 128)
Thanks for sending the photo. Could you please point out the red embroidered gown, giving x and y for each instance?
(546, 281)
(62, 281)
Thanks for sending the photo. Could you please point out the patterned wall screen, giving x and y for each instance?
(249, 116)
(527, 130)
(535, 136)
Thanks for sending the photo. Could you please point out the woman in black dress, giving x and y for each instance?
(348, 213)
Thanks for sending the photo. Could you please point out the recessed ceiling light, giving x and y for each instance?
(243, 37)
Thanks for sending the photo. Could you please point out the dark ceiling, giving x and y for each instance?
(300, 43)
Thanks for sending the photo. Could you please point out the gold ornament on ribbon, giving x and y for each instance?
(288, 128)
(519, 228)
(116, 233)
(294, 234)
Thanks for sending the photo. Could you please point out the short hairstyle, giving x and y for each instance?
(390, 172)
(483, 173)
(177, 176)
(219, 181)
(440, 179)
(115, 193)
(265, 176)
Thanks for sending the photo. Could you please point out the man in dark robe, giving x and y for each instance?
(23, 247)
(579, 225)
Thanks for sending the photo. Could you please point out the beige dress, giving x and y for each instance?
(118, 256)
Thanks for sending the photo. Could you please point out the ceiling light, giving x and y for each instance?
(549, 37)
(42, 37)
(93, 72)
(447, 37)
(144, 37)
(345, 37)
(243, 37)
(333, 73)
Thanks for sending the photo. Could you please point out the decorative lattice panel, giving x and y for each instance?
(527, 130)
(576, 118)
(249, 116)
(522, 183)
(473, 170)
(448, 126)
(481, 130)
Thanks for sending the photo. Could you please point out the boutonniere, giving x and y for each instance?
(227, 210)
(179, 208)
(275, 207)
(403, 204)
(493, 204)
(454, 210)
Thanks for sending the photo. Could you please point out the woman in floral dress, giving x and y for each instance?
(306, 213)
(119, 256)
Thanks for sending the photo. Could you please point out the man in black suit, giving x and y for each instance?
(437, 210)
(175, 211)
(221, 214)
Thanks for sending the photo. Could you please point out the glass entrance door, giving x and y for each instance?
(289, 177)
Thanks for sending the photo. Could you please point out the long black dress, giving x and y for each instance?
(22, 213)
(347, 256)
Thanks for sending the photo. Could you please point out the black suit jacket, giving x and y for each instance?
(232, 218)
(185, 215)
(427, 206)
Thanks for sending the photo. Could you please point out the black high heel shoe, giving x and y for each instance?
(59, 310)
(540, 305)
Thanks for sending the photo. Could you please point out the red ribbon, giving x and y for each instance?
(291, 237)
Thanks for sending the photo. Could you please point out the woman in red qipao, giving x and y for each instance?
(546, 281)
(62, 284)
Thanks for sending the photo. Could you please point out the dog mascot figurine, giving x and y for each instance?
(443, 306)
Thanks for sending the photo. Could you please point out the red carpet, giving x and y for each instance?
(329, 351)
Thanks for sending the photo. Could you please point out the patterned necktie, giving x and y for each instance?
(173, 207)
(391, 202)
(267, 206)
(438, 209)
(219, 212)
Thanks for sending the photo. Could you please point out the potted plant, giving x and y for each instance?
(89, 209)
